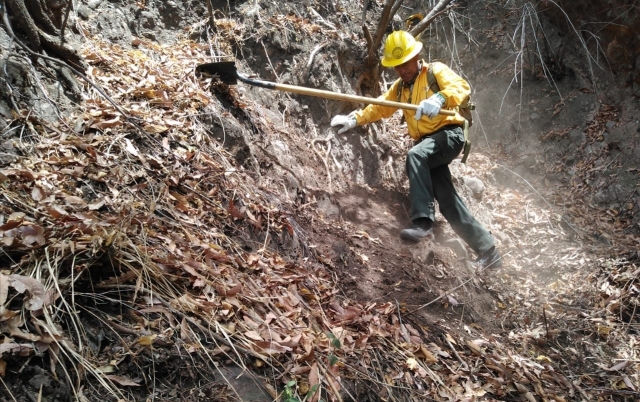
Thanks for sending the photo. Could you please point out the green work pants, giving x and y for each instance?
(430, 180)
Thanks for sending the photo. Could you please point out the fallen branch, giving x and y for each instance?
(455, 352)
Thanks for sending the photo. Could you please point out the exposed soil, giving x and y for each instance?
(553, 174)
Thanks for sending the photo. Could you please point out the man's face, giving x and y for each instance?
(407, 71)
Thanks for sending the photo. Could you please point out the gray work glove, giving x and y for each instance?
(430, 107)
(347, 122)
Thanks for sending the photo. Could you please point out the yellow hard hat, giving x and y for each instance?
(399, 48)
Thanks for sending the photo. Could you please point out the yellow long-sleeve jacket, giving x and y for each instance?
(454, 88)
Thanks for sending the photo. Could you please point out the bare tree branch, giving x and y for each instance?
(367, 37)
(64, 21)
(387, 14)
(212, 18)
(424, 23)
(365, 6)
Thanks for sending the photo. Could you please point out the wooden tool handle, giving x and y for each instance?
(352, 98)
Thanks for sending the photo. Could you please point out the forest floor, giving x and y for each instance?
(223, 243)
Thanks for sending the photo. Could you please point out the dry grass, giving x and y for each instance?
(131, 225)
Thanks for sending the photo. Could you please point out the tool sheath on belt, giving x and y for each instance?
(467, 142)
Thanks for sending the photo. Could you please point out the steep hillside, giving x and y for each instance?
(169, 237)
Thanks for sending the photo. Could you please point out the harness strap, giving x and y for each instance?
(431, 79)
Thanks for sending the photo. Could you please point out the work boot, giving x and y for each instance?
(490, 259)
(420, 229)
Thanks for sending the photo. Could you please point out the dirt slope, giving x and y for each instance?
(226, 236)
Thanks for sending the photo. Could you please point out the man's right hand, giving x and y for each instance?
(430, 107)
(347, 122)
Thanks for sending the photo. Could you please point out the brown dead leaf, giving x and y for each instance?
(235, 212)
(3, 368)
(96, 204)
(254, 336)
(15, 348)
(12, 327)
(223, 291)
(4, 289)
(450, 339)
(125, 382)
(618, 366)
(56, 211)
(106, 123)
(270, 348)
(15, 219)
(37, 292)
(131, 148)
(147, 340)
(314, 379)
(475, 348)
(299, 370)
(155, 128)
(73, 200)
(428, 356)
(37, 193)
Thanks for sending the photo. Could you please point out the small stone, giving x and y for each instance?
(148, 21)
(476, 186)
(83, 12)
(535, 116)
(94, 4)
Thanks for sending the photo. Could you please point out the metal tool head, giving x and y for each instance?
(226, 71)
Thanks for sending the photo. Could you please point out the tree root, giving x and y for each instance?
(41, 32)
(40, 17)
(325, 158)
(21, 15)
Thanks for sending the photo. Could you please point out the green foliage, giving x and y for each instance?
(333, 359)
(335, 342)
(289, 395)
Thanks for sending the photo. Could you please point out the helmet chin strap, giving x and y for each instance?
(415, 76)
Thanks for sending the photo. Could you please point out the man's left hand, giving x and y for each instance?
(429, 107)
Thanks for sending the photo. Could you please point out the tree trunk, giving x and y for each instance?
(368, 83)
(38, 24)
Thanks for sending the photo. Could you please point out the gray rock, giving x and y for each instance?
(148, 20)
(8, 154)
(476, 186)
(93, 4)
(280, 146)
(577, 136)
(113, 26)
(83, 12)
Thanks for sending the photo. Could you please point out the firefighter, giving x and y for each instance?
(438, 139)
